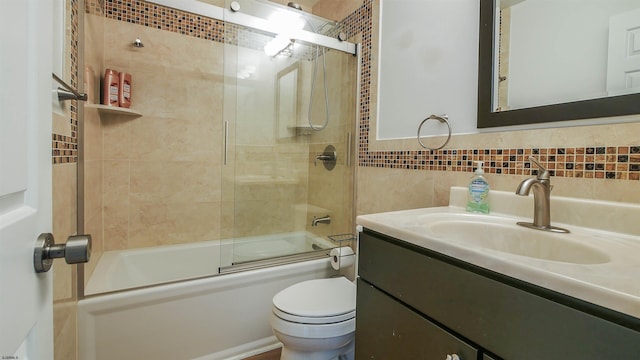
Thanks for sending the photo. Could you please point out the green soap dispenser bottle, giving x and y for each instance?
(478, 196)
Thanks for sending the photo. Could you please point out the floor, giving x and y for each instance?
(269, 355)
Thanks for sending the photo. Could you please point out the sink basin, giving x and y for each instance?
(505, 236)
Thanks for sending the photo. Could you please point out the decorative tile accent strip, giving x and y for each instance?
(621, 162)
(64, 149)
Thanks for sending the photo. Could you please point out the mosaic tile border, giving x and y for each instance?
(621, 162)
(64, 149)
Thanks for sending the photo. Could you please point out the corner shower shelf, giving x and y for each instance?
(113, 110)
(300, 129)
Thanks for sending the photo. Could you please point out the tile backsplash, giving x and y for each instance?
(599, 162)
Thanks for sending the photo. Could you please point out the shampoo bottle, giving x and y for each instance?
(124, 90)
(111, 84)
(478, 196)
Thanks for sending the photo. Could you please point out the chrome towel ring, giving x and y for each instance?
(443, 119)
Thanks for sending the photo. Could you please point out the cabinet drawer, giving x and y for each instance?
(505, 320)
(386, 329)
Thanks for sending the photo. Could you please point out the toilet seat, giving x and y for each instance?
(319, 301)
(313, 320)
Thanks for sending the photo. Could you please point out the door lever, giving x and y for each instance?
(76, 250)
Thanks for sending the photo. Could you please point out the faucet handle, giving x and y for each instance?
(543, 173)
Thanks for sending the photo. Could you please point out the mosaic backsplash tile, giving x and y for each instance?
(65, 149)
(621, 162)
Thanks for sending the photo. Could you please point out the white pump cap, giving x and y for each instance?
(479, 165)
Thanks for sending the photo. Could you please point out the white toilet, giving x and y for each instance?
(316, 319)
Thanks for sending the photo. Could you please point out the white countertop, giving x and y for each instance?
(614, 284)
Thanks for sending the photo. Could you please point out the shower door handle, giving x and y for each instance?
(76, 250)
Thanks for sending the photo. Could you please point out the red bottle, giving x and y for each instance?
(110, 88)
(124, 90)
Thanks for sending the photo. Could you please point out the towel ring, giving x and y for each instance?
(442, 119)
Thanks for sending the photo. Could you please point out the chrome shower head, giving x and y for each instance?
(294, 5)
(138, 43)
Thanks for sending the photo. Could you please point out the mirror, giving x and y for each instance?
(553, 60)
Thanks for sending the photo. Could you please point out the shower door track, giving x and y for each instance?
(280, 260)
(218, 13)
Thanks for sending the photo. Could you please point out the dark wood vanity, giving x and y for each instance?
(414, 303)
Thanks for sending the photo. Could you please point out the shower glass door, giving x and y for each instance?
(285, 102)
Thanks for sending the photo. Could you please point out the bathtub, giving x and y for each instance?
(216, 317)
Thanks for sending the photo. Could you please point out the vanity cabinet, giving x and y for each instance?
(427, 305)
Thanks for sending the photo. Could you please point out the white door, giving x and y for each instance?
(623, 67)
(26, 316)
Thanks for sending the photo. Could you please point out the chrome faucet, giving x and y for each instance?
(541, 186)
(324, 220)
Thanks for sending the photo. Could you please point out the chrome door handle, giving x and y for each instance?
(76, 250)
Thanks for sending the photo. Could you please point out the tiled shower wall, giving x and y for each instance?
(160, 175)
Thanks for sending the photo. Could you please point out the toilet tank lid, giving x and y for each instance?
(318, 298)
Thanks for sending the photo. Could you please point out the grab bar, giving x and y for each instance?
(68, 93)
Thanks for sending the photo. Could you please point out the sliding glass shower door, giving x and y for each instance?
(289, 111)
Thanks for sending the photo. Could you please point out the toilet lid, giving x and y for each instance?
(318, 298)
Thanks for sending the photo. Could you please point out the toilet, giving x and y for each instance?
(316, 319)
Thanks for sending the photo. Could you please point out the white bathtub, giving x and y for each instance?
(221, 317)
(126, 269)
(218, 317)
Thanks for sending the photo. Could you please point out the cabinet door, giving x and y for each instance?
(386, 329)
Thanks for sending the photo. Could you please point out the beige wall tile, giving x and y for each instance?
(336, 9)
(381, 190)
(64, 224)
(64, 324)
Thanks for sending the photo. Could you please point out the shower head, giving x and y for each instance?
(138, 43)
(294, 5)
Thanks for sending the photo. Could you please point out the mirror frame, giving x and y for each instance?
(585, 109)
